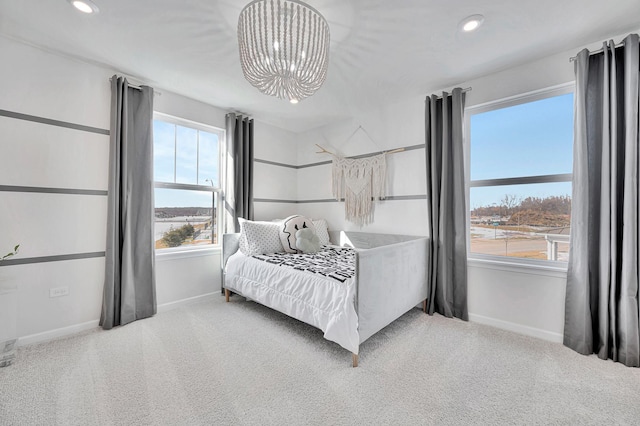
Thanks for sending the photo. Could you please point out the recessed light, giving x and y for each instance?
(471, 23)
(293, 101)
(85, 6)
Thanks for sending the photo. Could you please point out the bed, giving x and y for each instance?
(387, 279)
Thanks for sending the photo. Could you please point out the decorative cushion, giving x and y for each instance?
(288, 229)
(259, 237)
(322, 231)
(307, 241)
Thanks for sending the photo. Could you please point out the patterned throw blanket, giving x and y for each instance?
(336, 263)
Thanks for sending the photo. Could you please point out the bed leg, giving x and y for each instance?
(424, 306)
(227, 293)
(355, 360)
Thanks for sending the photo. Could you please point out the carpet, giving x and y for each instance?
(241, 363)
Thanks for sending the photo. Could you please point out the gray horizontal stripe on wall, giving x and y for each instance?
(44, 190)
(326, 200)
(406, 197)
(270, 200)
(333, 200)
(564, 177)
(273, 163)
(58, 258)
(322, 163)
(51, 122)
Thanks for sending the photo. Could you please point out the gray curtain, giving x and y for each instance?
(129, 287)
(239, 171)
(601, 305)
(447, 266)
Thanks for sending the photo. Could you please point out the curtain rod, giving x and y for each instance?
(595, 52)
(133, 86)
(468, 89)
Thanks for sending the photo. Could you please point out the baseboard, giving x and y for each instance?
(178, 303)
(59, 333)
(517, 328)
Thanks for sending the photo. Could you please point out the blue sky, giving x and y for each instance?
(181, 155)
(530, 139)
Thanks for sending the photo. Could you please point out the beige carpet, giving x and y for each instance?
(240, 363)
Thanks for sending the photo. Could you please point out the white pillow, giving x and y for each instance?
(322, 231)
(259, 237)
(288, 229)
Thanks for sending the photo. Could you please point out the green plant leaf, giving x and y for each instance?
(13, 253)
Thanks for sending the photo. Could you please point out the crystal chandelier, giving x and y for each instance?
(284, 48)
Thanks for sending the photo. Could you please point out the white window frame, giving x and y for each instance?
(200, 250)
(505, 263)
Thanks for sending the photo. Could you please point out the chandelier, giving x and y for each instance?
(284, 48)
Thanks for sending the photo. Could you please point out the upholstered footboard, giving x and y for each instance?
(391, 277)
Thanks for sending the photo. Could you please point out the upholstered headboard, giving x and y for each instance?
(230, 245)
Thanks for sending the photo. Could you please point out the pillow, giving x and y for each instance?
(322, 232)
(259, 237)
(307, 241)
(288, 228)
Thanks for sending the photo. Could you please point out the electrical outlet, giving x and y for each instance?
(58, 291)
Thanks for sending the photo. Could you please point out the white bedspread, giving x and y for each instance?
(325, 303)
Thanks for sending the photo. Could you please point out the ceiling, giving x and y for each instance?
(381, 50)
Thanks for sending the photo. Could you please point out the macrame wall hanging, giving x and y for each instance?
(360, 182)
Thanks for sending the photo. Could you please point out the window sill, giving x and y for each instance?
(175, 254)
(548, 269)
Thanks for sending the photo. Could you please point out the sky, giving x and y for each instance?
(530, 139)
(184, 155)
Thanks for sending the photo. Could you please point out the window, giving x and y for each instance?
(520, 164)
(186, 162)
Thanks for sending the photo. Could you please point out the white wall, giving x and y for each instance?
(274, 185)
(526, 301)
(383, 129)
(32, 154)
(46, 85)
